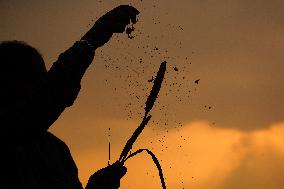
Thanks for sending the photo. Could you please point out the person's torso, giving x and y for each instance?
(42, 162)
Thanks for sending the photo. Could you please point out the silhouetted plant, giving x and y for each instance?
(148, 106)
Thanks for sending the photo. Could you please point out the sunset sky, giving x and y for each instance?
(227, 131)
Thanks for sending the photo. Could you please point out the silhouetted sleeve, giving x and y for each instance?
(44, 106)
(65, 75)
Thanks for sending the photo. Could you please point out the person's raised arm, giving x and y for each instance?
(65, 75)
(63, 79)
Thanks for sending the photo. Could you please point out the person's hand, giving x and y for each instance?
(108, 177)
(114, 21)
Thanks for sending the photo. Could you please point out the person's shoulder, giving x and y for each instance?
(55, 141)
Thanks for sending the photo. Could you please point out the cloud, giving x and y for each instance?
(263, 165)
(196, 156)
(200, 156)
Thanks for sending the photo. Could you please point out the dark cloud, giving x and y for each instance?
(235, 47)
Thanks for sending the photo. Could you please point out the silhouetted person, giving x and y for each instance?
(31, 100)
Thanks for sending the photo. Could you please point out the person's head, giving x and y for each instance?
(21, 68)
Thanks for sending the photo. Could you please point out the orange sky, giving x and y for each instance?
(235, 48)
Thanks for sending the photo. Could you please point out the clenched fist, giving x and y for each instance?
(114, 21)
(108, 177)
